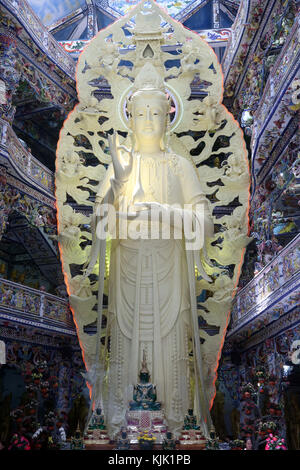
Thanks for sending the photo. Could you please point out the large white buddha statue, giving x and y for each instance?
(152, 298)
(159, 153)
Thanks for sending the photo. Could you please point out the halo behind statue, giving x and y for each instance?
(177, 108)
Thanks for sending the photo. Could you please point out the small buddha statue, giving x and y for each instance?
(97, 420)
(77, 440)
(190, 421)
(123, 441)
(144, 393)
(169, 442)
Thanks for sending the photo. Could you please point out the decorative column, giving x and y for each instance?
(216, 14)
(2, 353)
(9, 76)
(4, 204)
(91, 19)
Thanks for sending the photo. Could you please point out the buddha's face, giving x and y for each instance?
(149, 116)
(144, 377)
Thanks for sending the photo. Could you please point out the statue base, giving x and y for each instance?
(192, 437)
(96, 436)
(139, 421)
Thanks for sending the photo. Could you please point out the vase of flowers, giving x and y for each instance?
(237, 444)
(146, 440)
(267, 427)
(275, 443)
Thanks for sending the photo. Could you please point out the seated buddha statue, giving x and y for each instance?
(123, 442)
(77, 440)
(97, 420)
(190, 421)
(144, 393)
(169, 443)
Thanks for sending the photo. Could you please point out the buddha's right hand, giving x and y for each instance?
(122, 173)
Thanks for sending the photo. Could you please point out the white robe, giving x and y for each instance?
(150, 305)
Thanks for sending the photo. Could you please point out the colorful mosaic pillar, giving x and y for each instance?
(91, 19)
(4, 206)
(216, 13)
(9, 76)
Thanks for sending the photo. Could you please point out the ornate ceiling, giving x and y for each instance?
(73, 23)
(175, 8)
(62, 11)
(49, 11)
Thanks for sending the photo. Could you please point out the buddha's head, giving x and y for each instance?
(144, 377)
(149, 109)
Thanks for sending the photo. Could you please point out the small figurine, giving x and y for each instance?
(169, 442)
(212, 443)
(77, 440)
(97, 420)
(96, 432)
(123, 441)
(144, 394)
(190, 421)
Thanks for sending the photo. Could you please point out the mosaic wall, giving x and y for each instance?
(44, 306)
(35, 212)
(255, 394)
(38, 381)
